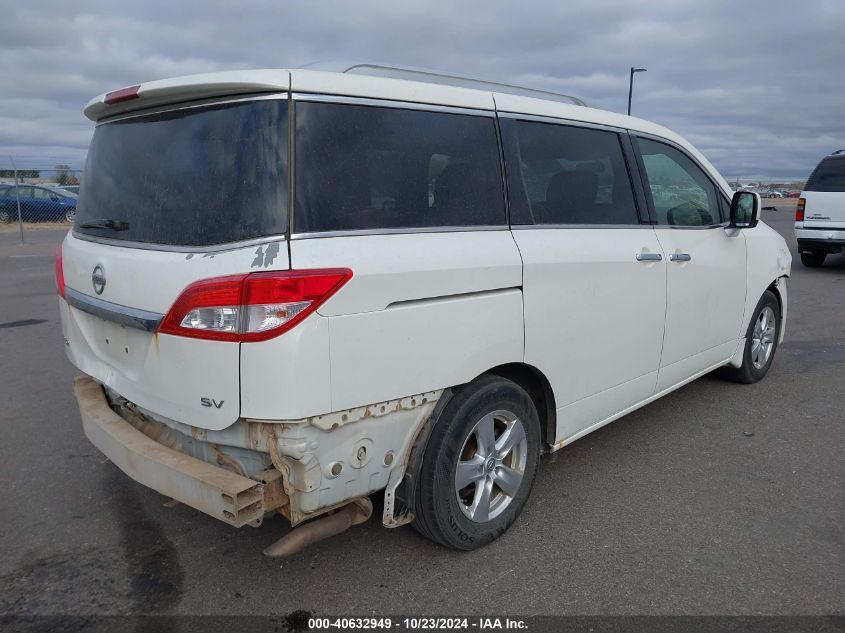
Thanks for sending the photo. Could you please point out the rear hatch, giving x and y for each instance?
(824, 195)
(170, 198)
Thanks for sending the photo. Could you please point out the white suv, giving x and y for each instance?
(289, 290)
(820, 214)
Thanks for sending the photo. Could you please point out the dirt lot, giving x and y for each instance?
(717, 499)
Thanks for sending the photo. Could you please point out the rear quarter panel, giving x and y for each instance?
(423, 311)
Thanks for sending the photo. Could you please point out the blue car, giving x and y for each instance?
(37, 203)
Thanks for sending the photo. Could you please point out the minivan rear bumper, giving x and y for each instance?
(220, 493)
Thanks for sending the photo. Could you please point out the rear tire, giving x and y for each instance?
(813, 259)
(488, 438)
(761, 342)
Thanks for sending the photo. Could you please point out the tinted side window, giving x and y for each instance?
(828, 176)
(367, 167)
(559, 174)
(681, 192)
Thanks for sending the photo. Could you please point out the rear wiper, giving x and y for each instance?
(105, 223)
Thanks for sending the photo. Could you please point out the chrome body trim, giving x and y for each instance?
(389, 103)
(124, 315)
(398, 231)
(538, 118)
(147, 246)
(535, 227)
(649, 257)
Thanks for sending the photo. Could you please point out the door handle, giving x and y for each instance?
(680, 257)
(649, 257)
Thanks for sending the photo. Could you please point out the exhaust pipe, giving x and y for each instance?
(299, 538)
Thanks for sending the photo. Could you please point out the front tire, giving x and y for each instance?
(761, 342)
(5, 216)
(813, 259)
(70, 215)
(479, 464)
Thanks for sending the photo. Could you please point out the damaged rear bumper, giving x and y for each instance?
(301, 468)
(225, 495)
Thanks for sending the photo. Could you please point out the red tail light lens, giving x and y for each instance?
(249, 308)
(124, 94)
(799, 210)
(60, 272)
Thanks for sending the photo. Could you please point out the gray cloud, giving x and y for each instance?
(757, 86)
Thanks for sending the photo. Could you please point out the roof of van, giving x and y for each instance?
(246, 82)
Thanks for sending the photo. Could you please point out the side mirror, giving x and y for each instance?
(745, 210)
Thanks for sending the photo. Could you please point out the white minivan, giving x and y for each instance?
(820, 214)
(289, 290)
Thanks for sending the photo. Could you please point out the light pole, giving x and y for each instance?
(631, 85)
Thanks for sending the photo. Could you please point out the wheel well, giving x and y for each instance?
(537, 385)
(775, 291)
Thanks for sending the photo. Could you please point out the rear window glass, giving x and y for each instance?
(368, 167)
(189, 177)
(828, 176)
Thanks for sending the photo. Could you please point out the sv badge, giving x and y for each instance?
(211, 402)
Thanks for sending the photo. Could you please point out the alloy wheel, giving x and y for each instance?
(491, 466)
(763, 338)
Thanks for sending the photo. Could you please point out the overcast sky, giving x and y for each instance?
(758, 86)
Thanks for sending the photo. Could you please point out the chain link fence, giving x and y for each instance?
(35, 198)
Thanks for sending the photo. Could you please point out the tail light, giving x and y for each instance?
(60, 272)
(254, 307)
(799, 210)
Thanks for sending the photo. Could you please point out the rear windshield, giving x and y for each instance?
(368, 167)
(828, 176)
(189, 177)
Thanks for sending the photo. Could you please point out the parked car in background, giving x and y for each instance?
(820, 214)
(406, 305)
(38, 203)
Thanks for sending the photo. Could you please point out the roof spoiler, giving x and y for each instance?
(190, 88)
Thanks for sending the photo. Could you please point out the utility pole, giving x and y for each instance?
(631, 85)
(18, 197)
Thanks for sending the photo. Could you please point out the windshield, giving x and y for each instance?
(190, 177)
